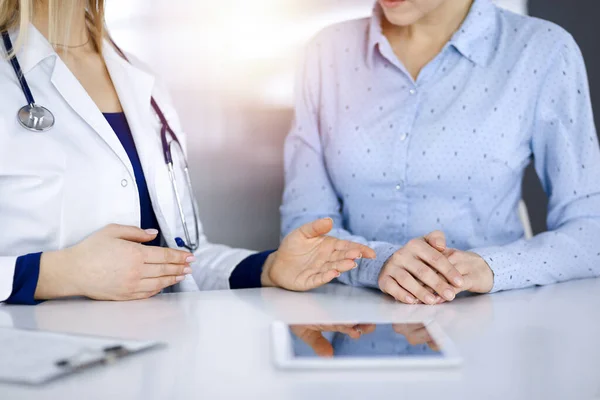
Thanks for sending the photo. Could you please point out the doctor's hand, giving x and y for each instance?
(112, 264)
(308, 259)
(419, 270)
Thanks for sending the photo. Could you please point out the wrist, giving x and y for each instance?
(488, 276)
(265, 277)
(57, 277)
(387, 261)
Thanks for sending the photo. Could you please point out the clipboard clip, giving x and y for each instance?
(87, 358)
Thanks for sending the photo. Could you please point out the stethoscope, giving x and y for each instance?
(31, 116)
(36, 118)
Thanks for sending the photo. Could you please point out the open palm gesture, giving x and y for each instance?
(308, 259)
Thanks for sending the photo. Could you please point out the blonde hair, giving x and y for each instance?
(17, 14)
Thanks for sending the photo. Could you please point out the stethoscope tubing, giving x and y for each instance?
(17, 68)
(165, 129)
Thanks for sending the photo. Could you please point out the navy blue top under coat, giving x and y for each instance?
(118, 121)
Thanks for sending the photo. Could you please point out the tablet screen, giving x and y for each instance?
(363, 341)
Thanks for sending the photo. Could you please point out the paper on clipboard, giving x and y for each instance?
(35, 357)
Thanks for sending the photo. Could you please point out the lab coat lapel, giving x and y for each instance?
(134, 87)
(78, 99)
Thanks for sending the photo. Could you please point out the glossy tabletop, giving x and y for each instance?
(539, 343)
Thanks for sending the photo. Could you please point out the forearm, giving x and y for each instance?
(569, 252)
(567, 161)
(39, 276)
(56, 278)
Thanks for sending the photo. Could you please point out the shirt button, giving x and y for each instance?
(400, 185)
(124, 183)
(403, 136)
(412, 92)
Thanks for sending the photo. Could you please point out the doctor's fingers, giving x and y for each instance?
(339, 255)
(130, 233)
(315, 339)
(165, 255)
(341, 266)
(157, 270)
(318, 276)
(144, 295)
(315, 280)
(158, 284)
(354, 248)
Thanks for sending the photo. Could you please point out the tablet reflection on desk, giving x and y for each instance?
(363, 340)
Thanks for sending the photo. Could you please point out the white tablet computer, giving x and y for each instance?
(362, 345)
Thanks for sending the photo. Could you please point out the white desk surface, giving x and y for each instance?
(539, 343)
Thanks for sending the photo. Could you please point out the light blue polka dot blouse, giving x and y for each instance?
(391, 159)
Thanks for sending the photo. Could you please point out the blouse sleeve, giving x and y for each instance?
(567, 161)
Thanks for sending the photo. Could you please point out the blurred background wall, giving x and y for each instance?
(230, 69)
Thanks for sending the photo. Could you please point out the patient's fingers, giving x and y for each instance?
(391, 287)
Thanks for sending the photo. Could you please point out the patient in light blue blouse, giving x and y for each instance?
(413, 130)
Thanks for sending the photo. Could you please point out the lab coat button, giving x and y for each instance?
(124, 183)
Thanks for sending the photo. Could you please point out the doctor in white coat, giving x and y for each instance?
(81, 201)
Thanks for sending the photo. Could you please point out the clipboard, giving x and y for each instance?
(36, 357)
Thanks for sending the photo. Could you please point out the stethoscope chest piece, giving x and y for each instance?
(35, 118)
(31, 117)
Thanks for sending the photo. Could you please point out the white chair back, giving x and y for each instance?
(524, 217)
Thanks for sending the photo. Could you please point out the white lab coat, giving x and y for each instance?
(60, 186)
